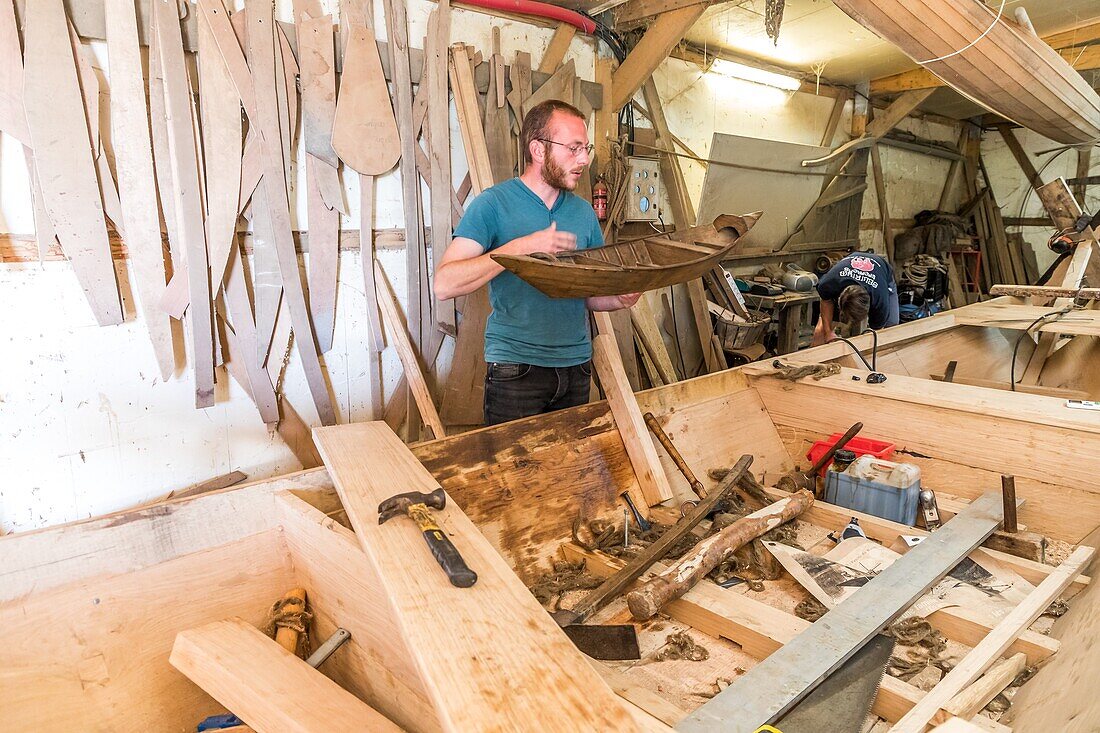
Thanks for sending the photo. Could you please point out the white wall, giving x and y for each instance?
(86, 425)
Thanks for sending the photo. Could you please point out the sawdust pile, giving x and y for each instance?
(680, 645)
(566, 576)
(919, 646)
(810, 609)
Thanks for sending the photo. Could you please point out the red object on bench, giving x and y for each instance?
(859, 446)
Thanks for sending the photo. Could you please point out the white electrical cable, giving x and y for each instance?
(972, 43)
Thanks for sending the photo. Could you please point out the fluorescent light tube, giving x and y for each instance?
(753, 74)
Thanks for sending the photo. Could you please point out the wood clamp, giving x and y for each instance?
(417, 505)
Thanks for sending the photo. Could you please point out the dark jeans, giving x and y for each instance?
(513, 391)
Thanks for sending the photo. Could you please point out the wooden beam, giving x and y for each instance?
(1021, 156)
(559, 46)
(652, 481)
(1042, 291)
(883, 204)
(545, 676)
(1021, 317)
(989, 649)
(265, 685)
(1059, 393)
(1084, 163)
(633, 12)
(406, 352)
(651, 50)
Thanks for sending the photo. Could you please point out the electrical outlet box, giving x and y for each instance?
(643, 189)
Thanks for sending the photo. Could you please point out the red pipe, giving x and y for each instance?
(540, 10)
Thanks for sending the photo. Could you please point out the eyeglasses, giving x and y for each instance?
(575, 150)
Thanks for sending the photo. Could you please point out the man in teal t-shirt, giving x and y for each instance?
(537, 348)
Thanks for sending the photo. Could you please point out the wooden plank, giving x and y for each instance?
(834, 121)
(558, 86)
(775, 685)
(559, 46)
(883, 203)
(136, 180)
(266, 685)
(645, 322)
(63, 159)
(257, 381)
(1084, 164)
(232, 55)
(974, 698)
(546, 678)
(418, 313)
(187, 204)
(989, 649)
(410, 360)
(439, 146)
(262, 44)
(1045, 291)
(318, 81)
(652, 480)
(1021, 317)
(497, 123)
(653, 48)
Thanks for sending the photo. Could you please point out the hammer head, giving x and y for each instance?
(400, 503)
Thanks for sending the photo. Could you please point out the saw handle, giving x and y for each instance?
(444, 551)
(839, 445)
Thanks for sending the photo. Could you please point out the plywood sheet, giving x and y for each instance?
(783, 197)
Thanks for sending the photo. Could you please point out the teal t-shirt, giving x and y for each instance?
(527, 327)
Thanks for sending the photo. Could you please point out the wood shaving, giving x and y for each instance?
(680, 645)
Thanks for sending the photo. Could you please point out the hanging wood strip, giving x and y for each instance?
(498, 126)
(520, 75)
(418, 311)
(230, 49)
(463, 397)
(324, 255)
(261, 40)
(286, 68)
(162, 165)
(183, 148)
(364, 131)
(136, 179)
(318, 79)
(66, 168)
(317, 59)
(410, 360)
(235, 287)
(439, 145)
(44, 234)
(13, 120)
(559, 86)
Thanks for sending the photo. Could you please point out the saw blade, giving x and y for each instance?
(841, 703)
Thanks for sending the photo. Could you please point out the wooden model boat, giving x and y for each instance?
(1010, 71)
(632, 267)
(90, 611)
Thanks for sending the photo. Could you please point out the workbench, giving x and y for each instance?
(793, 315)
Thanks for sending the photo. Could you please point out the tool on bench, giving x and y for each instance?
(929, 509)
(417, 505)
(840, 704)
(621, 641)
(796, 480)
(315, 660)
(674, 453)
(643, 525)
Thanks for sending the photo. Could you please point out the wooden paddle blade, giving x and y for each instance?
(364, 133)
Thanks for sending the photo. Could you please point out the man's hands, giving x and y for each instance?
(821, 336)
(611, 302)
(545, 240)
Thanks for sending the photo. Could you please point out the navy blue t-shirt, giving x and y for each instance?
(872, 273)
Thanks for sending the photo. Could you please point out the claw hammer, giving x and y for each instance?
(417, 505)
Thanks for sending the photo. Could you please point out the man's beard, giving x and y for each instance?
(555, 175)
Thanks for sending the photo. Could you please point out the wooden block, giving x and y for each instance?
(399, 337)
(63, 159)
(267, 686)
(652, 481)
(545, 677)
(136, 180)
(989, 649)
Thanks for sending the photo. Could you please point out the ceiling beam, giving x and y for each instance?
(633, 12)
(1081, 59)
(651, 50)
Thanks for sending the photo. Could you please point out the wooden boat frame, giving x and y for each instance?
(78, 599)
(632, 267)
(1010, 71)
